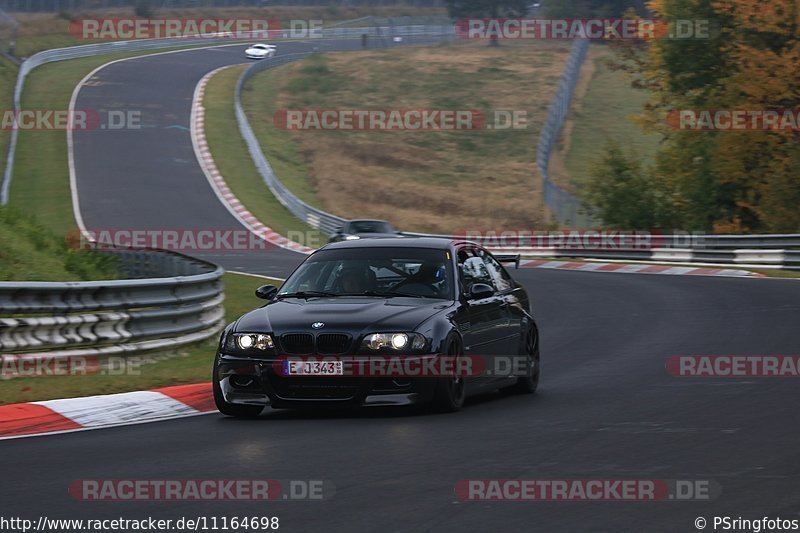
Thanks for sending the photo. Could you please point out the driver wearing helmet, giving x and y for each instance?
(356, 278)
(429, 280)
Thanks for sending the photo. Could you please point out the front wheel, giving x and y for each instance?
(231, 409)
(451, 390)
(528, 383)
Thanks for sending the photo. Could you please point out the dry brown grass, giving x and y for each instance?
(428, 181)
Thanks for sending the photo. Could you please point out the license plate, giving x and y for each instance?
(313, 368)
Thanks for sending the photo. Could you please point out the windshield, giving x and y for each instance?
(382, 272)
(369, 226)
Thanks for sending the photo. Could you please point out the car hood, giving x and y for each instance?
(351, 315)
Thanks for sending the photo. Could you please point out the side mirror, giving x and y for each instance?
(479, 291)
(266, 292)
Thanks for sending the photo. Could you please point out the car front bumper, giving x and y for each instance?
(247, 381)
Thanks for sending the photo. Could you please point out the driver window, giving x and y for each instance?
(473, 270)
(498, 273)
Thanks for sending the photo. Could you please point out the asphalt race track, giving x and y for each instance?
(607, 408)
(149, 178)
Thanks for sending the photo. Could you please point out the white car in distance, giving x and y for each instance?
(260, 51)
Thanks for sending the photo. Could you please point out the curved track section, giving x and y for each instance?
(149, 178)
(607, 408)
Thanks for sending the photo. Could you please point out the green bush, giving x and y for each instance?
(31, 252)
(621, 193)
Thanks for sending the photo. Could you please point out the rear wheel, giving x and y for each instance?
(231, 409)
(528, 383)
(450, 390)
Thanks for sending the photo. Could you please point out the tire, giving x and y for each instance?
(530, 382)
(450, 391)
(230, 409)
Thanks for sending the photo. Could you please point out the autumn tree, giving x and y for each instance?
(760, 168)
(729, 181)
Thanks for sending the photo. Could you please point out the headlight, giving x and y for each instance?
(395, 342)
(352, 238)
(250, 342)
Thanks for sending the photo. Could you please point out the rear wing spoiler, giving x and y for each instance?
(508, 258)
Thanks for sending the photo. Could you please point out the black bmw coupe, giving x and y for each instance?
(381, 321)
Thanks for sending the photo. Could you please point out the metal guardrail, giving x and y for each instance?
(77, 6)
(565, 204)
(75, 52)
(566, 208)
(169, 299)
(780, 259)
(316, 218)
(384, 33)
(177, 300)
(697, 242)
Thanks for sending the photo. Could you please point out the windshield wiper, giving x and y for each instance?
(306, 294)
(390, 294)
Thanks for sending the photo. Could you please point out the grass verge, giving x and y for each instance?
(41, 187)
(436, 181)
(40, 182)
(8, 77)
(601, 111)
(235, 164)
(282, 151)
(30, 252)
(189, 364)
